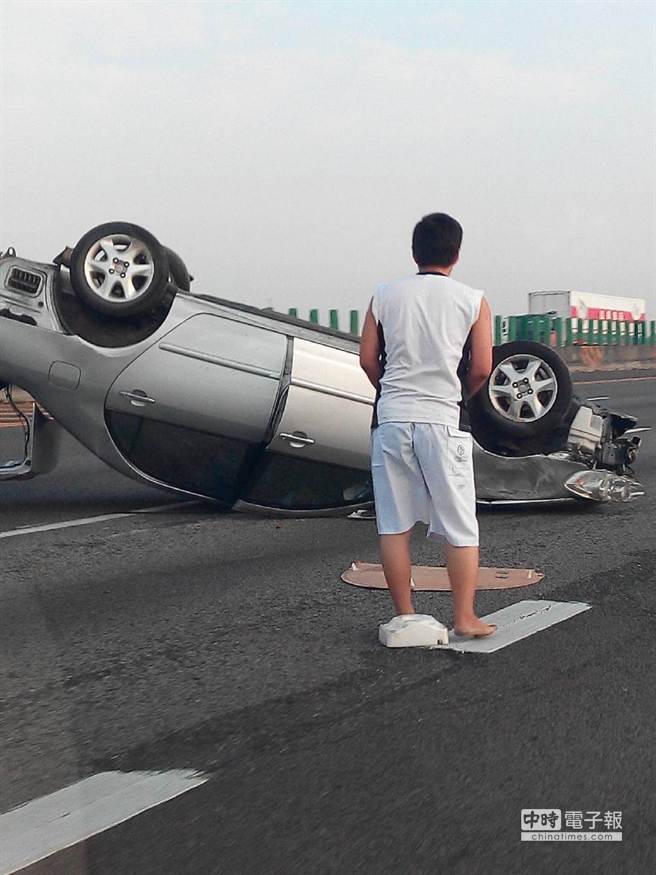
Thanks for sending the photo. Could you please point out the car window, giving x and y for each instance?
(280, 481)
(207, 464)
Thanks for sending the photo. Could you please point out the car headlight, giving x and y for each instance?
(603, 486)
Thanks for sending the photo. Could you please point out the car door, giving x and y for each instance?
(210, 374)
(193, 410)
(319, 454)
(327, 415)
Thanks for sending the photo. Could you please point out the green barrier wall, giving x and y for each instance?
(553, 331)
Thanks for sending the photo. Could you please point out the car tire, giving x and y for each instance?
(120, 270)
(178, 273)
(527, 394)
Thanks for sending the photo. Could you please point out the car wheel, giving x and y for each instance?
(527, 394)
(120, 270)
(178, 273)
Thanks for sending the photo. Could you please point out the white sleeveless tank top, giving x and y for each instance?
(425, 321)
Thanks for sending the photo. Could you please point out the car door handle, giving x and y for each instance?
(297, 439)
(137, 397)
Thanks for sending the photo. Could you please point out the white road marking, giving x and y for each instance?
(496, 502)
(160, 508)
(87, 521)
(44, 826)
(516, 622)
(66, 524)
(606, 382)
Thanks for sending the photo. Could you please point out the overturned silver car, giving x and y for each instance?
(255, 409)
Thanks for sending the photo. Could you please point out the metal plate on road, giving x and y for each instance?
(516, 622)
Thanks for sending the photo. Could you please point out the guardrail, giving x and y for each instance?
(333, 319)
(554, 331)
(9, 417)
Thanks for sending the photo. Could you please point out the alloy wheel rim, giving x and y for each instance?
(523, 388)
(119, 268)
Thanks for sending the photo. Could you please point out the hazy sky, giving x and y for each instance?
(286, 149)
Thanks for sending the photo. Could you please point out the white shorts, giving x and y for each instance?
(424, 472)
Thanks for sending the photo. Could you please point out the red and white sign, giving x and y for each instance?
(587, 305)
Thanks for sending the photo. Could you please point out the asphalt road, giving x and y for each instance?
(193, 639)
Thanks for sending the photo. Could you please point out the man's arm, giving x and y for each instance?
(370, 350)
(480, 363)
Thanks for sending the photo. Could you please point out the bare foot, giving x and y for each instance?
(475, 629)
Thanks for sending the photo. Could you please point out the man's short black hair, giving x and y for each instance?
(436, 240)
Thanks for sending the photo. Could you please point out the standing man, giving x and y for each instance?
(422, 466)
